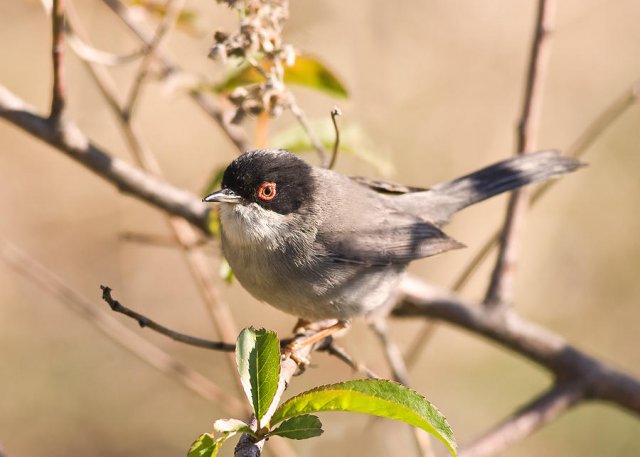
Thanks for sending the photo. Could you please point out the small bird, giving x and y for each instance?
(320, 245)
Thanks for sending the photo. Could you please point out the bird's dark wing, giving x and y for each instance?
(391, 238)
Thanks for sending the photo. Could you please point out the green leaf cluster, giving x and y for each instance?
(258, 361)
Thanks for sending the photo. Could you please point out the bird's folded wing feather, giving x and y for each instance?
(384, 237)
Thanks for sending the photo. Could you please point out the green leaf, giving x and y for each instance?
(311, 72)
(207, 446)
(258, 360)
(202, 447)
(306, 71)
(299, 427)
(371, 396)
(353, 140)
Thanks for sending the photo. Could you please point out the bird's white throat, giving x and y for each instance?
(251, 225)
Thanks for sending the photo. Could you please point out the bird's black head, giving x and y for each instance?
(274, 179)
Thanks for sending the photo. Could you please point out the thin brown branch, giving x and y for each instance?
(335, 112)
(500, 290)
(332, 349)
(529, 340)
(110, 327)
(173, 9)
(412, 354)
(313, 137)
(127, 178)
(144, 321)
(391, 351)
(527, 420)
(235, 134)
(95, 55)
(57, 59)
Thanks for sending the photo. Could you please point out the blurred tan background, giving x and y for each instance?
(437, 85)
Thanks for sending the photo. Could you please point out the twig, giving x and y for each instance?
(146, 238)
(391, 351)
(116, 331)
(531, 341)
(95, 55)
(332, 349)
(400, 374)
(527, 420)
(125, 177)
(335, 112)
(412, 353)
(144, 321)
(315, 141)
(57, 59)
(500, 290)
(235, 134)
(172, 12)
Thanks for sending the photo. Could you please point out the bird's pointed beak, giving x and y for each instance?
(223, 195)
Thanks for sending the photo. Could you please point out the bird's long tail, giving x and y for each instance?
(440, 202)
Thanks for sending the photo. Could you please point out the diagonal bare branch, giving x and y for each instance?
(126, 177)
(527, 339)
(539, 412)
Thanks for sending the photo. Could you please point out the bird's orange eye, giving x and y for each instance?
(267, 191)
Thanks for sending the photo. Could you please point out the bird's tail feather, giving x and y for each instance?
(443, 200)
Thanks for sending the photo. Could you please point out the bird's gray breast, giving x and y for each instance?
(282, 264)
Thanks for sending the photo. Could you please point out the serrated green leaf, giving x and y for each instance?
(258, 360)
(306, 71)
(371, 396)
(353, 140)
(299, 427)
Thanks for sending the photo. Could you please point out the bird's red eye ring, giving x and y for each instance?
(267, 191)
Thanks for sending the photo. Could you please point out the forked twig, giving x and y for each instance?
(144, 321)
